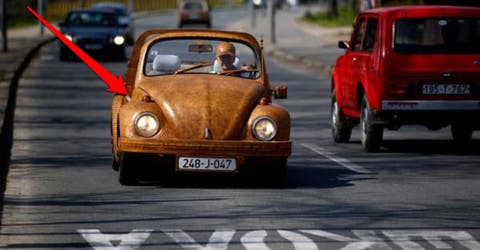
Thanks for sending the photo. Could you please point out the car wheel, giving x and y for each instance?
(63, 55)
(371, 134)
(461, 132)
(127, 175)
(341, 131)
(115, 165)
(121, 55)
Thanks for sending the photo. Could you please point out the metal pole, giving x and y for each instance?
(131, 6)
(3, 13)
(40, 12)
(251, 7)
(271, 11)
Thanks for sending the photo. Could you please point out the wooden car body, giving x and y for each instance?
(201, 116)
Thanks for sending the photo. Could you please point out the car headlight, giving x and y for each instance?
(257, 2)
(118, 40)
(69, 37)
(264, 128)
(146, 124)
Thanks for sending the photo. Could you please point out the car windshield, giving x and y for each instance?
(437, 36)
(193, 6)
(198, 56)
(94, 19)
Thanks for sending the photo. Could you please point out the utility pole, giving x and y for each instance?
(131, 6)
(40, 12)
(251, 7)
(3, 19)
(271, 12)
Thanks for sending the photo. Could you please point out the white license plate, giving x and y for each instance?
(207, 163)
(93, 46)
(446, 89)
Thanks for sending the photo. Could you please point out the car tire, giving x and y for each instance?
(371, 134)
(115, 165)
(461, 132)
(127, 174)
(63, 55)
(341, 131)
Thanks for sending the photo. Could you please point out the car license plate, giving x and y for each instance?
(93, 46)
(194, 16)
(445, 89)
(207, 163)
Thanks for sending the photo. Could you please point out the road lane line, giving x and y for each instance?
(342, 161)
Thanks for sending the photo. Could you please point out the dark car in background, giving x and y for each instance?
(97, 32)
(125, 18)
(194, 12)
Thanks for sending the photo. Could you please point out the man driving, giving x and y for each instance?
(225, 57)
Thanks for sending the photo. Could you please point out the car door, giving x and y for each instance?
(366, 64)
(348, 88)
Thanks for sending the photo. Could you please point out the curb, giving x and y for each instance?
(6, 132)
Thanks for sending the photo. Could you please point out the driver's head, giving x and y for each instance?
(226, 55)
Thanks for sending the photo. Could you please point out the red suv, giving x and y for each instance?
(408, 65)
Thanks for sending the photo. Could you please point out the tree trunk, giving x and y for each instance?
(332, 10)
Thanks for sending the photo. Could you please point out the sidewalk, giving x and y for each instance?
(296, 41)
(20, 42)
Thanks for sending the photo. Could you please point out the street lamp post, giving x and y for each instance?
(40, 12)
(271, 10)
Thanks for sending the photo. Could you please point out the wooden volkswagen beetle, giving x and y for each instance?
(183, 113)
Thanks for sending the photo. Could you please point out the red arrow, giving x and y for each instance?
(115, 84)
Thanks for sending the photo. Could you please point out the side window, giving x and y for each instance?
(370, 34)
(358, 35)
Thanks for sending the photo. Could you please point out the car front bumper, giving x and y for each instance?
(207, 147)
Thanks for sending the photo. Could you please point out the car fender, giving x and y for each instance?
(278, 113)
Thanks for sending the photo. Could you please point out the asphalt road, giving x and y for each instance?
(419, 192)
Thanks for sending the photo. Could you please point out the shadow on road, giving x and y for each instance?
(432, 147)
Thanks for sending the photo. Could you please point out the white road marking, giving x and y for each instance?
(366, 239)
(403, 238)
(255, 240)
(299, 241)
(101, 241)
(341, 161)
(218, 241)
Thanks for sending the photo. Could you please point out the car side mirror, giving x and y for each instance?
(343, 45)
(280, 92)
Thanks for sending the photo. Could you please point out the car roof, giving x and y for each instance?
(93, 11)
(426, 11)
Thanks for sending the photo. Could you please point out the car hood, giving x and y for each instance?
(91, 31)
(193, 105)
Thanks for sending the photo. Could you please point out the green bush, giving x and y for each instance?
(345, 17)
